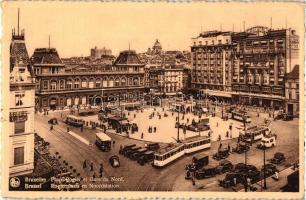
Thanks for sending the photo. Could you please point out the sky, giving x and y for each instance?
(75, 27)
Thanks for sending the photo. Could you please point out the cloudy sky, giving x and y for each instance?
(76, 27)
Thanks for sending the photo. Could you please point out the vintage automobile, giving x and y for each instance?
(126, 147)
(269, 168)
(278, 158)
(128, 152)
(147, 156)
(114, 161)
(224, 166)
(267, 141)
(53, 121)
(153, 146)
(198, 162)
(287, 117)
(241, 147)
(231, 179)
(242, 167)
(138, 153)
(206, 172)
(221, 154)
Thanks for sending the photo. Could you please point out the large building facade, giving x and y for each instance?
(58, 88)
(292, 93)
(246, 67)
(21, 115)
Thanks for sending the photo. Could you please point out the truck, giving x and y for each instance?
(267, 141)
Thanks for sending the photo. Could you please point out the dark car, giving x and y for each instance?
(53, 121)
(278, 158)
(221, 154)
(146, 157)
(114, 161)
(121, 151)
(242, 167)
(224, 166)
(206, 172)
(128, 152)
(287, 117)
(138, 153)
(241, 147)
(270, 169)
(231, 179)
(153, 146)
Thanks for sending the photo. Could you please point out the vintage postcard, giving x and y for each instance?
(141, 100)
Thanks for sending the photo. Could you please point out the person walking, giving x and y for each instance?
(51, 127)
(114, 143)
(84, 164)
(141, 135)
(91, 166)
(68, 130)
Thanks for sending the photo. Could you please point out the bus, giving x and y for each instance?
(196, 143)
(255, 133)
(168, 154)
(74, 121)
(103, 141)
(241, 115)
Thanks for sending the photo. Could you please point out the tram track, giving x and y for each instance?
(80, 146)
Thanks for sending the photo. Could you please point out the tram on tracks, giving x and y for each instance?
(241, 115)
(255, 133)
(173, 151)
(74, 121)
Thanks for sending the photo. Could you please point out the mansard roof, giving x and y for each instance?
(128, 57)
(46, 56)
(19, 55)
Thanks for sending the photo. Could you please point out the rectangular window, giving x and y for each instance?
(19, 127)
(19, 99)
(18, 155)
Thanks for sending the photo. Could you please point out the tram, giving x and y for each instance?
(241, 116)
(103, 141)
(196, 143)
(168, 154)
(255, 133)
(74, 121)
(174, 151)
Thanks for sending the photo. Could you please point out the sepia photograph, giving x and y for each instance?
(204, 99)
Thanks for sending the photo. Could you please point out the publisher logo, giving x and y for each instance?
(14, 182)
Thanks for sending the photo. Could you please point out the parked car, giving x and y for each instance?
(270, 169)
(138, 153)
(231, 179)
(287, 117)
(278, 158)
(221, 154)
(147, 156)
(206, 172)
(53, 121)
(128, 152)
(153, 146)
(114, 161)
(121, 151)
(224, 166)
(241, 148)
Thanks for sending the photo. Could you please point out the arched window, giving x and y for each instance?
(136, 81)
(77, 83)
(123, 82)
(53, 85)
(117, 82)
(105, 82)
(69, 84)
(111, 82)
(84, 83)
(62, 84)
(98, 82)
(91, 83)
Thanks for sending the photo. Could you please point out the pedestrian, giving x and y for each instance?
(114, 143)
(229, 147)
(84, 164)
(217, 124)
(220, 145)
(141, 135)
(101, 171)
(154, 129)
(67, 129)
(227, 134)
(209, 133)
(91, 166)
(134, 115)
(219, 137)
(51, 127)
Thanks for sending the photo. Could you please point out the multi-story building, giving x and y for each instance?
(247, 67)
(58, 88)
(98, 53)
(21, 106)
(292, 93)
(173, 80)
(211, 63)
(261, 58)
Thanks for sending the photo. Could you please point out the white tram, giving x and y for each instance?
(174, 151)
(168, 154)
(196, 143)
(241, 116)
(256, 133)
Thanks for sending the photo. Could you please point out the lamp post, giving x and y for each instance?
(264, 157)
